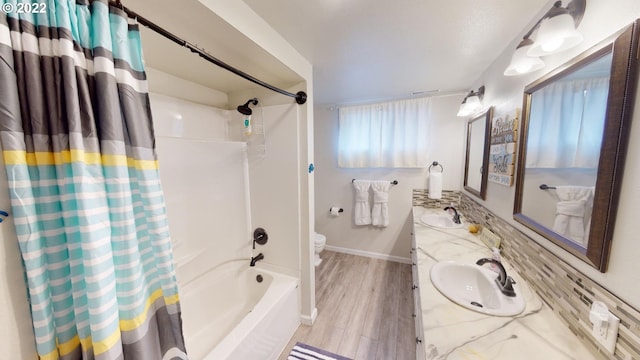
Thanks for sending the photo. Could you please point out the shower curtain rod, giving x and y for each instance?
(300, 96)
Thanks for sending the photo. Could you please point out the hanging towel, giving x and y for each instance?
(435, 186)
(380, 211)
(573, 212)
(362, 210)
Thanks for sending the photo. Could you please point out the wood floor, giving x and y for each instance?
(365, 309)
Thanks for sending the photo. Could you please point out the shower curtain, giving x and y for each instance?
(79, 150)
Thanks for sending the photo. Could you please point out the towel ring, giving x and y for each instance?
(435, 163)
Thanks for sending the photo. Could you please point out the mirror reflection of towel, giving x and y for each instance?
(572, 212)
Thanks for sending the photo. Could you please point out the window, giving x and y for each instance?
(390, 134)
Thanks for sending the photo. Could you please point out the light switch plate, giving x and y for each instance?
(609, 338)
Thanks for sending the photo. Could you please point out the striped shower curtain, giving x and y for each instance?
(79, 150)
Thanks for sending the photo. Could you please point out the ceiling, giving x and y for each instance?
(361, 50)
(367, 50)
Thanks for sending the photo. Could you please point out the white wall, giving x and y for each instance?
(167, 84)
(333, 185)
(602, 19)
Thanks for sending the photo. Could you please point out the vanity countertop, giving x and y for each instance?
(453, 332)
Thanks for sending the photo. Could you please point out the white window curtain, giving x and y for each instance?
(384, 135)
(567, 123)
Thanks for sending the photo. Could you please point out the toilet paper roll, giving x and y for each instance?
(335, 211)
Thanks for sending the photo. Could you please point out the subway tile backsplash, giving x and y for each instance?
(566, 290)
(421, 198)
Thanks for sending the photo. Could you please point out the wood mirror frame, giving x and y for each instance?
(619, 112)
(482, 192)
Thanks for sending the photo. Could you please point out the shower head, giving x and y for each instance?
(245, 109)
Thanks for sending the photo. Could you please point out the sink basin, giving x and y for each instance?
(443, 221)
(474, 288)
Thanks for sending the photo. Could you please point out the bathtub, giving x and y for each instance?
(228, 314)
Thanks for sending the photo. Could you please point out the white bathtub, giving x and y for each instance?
(227, 314)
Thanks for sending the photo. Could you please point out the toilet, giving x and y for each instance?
(319, 241)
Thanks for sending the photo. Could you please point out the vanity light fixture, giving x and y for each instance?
(521, 62)
(472, 103)
(554, 32)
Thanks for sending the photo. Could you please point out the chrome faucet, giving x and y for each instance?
(255, 259)
(504, 282)
(456, 216)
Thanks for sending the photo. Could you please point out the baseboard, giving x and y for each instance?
(309, 320)
(368, 254)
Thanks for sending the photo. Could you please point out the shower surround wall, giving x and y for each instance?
(207, 177)
(273, 178)
(205, 181)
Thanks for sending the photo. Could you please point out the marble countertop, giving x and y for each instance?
(454, 332)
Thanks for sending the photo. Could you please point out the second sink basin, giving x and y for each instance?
(474, 288)
(443, 221)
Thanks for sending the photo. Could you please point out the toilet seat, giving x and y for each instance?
(320, 239)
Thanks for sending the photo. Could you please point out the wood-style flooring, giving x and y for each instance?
(365, 309)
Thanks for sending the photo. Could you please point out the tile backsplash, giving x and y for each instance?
(421, 198)
(566, 290)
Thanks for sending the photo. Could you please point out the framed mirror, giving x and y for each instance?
(476, 166)
(573, 144)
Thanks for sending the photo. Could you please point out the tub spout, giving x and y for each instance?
(255, 259)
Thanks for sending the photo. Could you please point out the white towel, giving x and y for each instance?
(435, 186)
(573, 211)
(380, 211)
(362, 210)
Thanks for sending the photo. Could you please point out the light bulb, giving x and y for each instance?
(523, 69)
(521, 63)
(552, 45)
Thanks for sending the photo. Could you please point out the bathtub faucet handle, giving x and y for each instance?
(260, 236)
